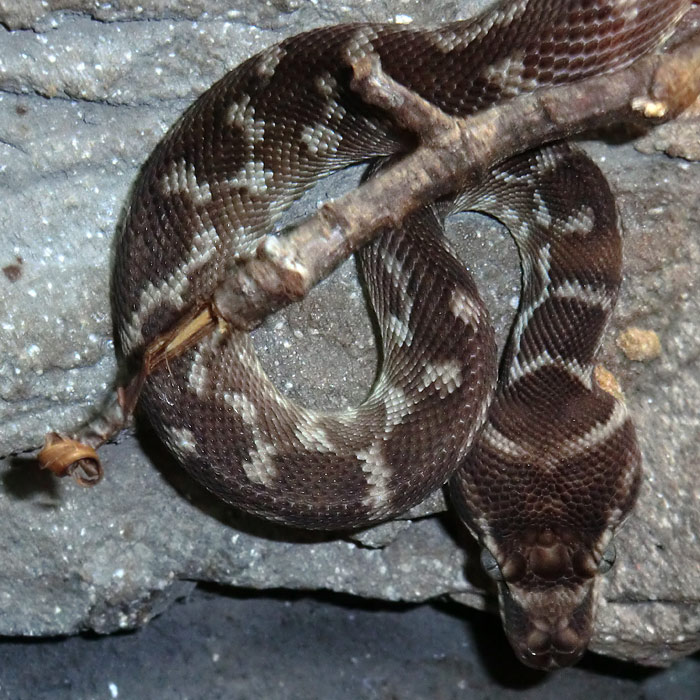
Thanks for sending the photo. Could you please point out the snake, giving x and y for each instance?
(542, 465)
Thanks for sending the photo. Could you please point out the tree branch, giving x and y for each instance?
(453, 153)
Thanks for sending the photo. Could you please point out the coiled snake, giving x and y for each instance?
(543, 465)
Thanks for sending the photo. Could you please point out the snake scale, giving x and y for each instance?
(542, 464)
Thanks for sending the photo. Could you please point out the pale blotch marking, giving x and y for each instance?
(597, 435)
(268, 61)
(396, 402)
(181, 441)
(581, 373)
(464, 308)
(360, 45)
(172, 289)
(348, 417)
(507, 74)
(398, 277)
(252, 178)
(496, 441)
(541, 210)
(198, 376)
(629, 476)
(506, 71)
(505, 177)
(539, 267)
(518, 223)
(546, 161)
(180, 179)
(585, 293)
(327, 87)
(378, 472)
(207, 361)
(241, 115)
(312, 435)
(445, 376)
(400, 332)
(245, 356)
(580, 223)
(241, 112)
(399, 325)
(258, 468)
(320, 139)
(446, 40)
(570, 289)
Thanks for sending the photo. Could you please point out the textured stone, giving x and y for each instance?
(114, 556)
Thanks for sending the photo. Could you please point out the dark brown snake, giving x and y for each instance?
(543, 465)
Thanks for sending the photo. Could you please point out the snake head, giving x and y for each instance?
(547, 594)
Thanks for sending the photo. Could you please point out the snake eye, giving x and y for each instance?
(490, 565)
(607, 560)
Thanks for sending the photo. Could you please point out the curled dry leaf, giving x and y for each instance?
(67, 457)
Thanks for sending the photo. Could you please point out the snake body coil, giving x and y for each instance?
(543, 464)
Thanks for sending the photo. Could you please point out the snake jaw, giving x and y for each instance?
(549, 629)
(547, 590)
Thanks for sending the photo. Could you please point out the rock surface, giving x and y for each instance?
(324, 647)
(114, 556)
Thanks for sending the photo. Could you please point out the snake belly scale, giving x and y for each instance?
(543, 465)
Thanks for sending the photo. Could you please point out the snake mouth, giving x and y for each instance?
(550, 661)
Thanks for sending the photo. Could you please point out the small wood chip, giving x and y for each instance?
(607, 382)
(639, 344)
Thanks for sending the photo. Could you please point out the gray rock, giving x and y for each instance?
(324, 647)
(115, 556)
